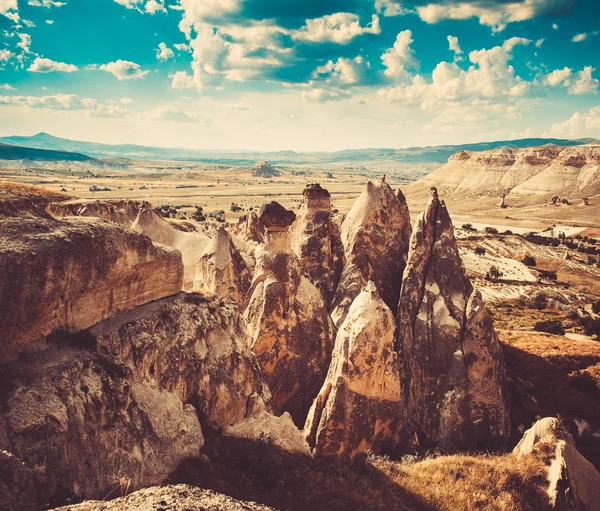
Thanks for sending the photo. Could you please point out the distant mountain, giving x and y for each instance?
(13, 152)
(411, 155)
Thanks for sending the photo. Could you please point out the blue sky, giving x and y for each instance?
(302, 75)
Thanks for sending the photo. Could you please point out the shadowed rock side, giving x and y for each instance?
(573, 482)
(375, 235)
(359, 406)
(315, 239)
(181, 497)
(71, 274)
(292, 334)
(222, 270)
(78, 424)
(195, 346)
(453, 374)
(140, 217)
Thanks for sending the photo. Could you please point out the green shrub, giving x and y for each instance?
(529, 260)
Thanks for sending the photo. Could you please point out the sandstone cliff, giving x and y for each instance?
(222, 270)
(292, 334)
(359, 406)
(70, 274)
(375, 235)
(140, 216)
(453, 369)
(315, 239)
(573, 482)
(543, 171)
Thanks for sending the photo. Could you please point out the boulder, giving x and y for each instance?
(573, 482)
(453, 368)
(222, 270)
(315, 239)
(292, 334)
(375, 235)
(180, 497)
(359, 406)
(70, 274)
(77, 421)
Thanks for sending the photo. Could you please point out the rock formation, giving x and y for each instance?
(573, 482)
(502, 203)
(180, 497)
(263, 169)
(77, 423)
(359, 406)
(222, 270)
(292, 334)
(453, 371)
(315, 239)
(70, 274)
(140, 216)
(375, 235)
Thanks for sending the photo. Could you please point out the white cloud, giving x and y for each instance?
(174, 114)
(6, 86)
(126, 101)
(579, 83)
(182, 80)
(28, 23)
(182, 47)
(25, 42)
(539, 42)
(43, 65)
(45, 3)
(579, 37)
(124, 70)
(6, 55)
(554, 26)
(154, 6)
(149, 6)
(343, 72)
(339, 28)
(390, 8)
(10, 9)
(50, 22)
(164, 52)
(454, 45)
(114, 111)
(325, 95)
(579, 125)
(401, 57)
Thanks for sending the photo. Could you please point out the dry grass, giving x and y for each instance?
(482, 482)
(12, 190)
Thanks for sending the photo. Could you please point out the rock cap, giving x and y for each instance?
(275, 217)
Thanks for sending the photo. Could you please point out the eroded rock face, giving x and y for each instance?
(375, 235)
(292, 334)
(70, 274)
(180, 497)
(573, 482)
(359, 406)
(140, 216)
(453, 372)
(76, 421)
(315, 239)
(195, 346)
(222, 270)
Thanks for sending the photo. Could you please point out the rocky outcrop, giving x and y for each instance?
(140, 216)
(375, 235)
(315, 239)
(263, 169)
(292, 334)
(541, 171)
(70, 274)
(359, 406)
(222, 270)
(195, 346)
(573, 482)
(453, 370)
(181, 497)
(82, 427)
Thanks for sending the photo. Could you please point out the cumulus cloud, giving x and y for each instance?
(24, 42)
(113, 111)
(164, 52)
(343, 72)
(492, 13)
(454, 45)
(174, 114)
(43, 65)
(579, 38)
(325, 95)
(579, 125)
(6, 86)
(390, 8)
(539, 42)
(5, 56)
(45, 3)
(577, 83)
(10, 9)
(66, 102)
(149, 6)
(124, 70)
(126, 101)
(339, 28)
(400, 58)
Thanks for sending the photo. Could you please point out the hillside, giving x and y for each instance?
(13, 152)
(408, 156)
(541, 172)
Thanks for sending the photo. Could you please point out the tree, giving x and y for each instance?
(493, 273)
(529, 260)
(479, 251)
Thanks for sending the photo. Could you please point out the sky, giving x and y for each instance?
(300, 75)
